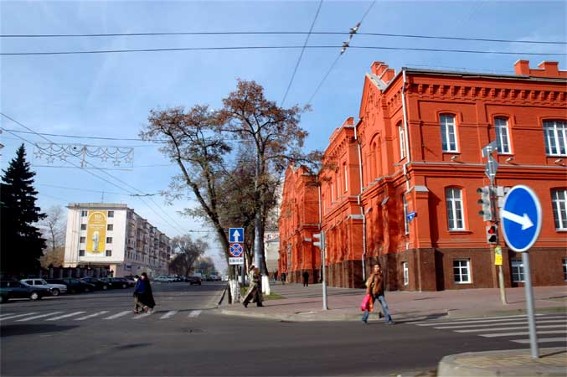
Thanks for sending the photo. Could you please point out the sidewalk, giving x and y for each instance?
(298, 303)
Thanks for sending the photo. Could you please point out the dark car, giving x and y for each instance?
(120, 283)
(193, 280)
(15, 289)
(73, 285)
(98, 283)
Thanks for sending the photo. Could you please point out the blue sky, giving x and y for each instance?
(80, 98)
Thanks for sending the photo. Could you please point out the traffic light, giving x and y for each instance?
(492, 234)
(486, 203)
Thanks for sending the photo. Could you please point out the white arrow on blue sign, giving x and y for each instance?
(520, 218)
(236, 235)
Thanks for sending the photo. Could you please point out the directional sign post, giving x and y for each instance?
(521, 223)
(236, 235)
(236, 248)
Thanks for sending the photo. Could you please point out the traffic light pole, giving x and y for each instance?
(496, 220)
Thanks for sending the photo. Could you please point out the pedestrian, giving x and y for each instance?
(275, 276)
(305, 279)
(254, 292)
(283, 278)
(143, 296)
(375, 288)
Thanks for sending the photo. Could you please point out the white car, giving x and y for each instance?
(55, 289)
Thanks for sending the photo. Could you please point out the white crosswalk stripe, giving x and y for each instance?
(91, 315)
(194, 313)
(64, 316)
(169, 314)
(515, 328)
(17, 316)
(102, 314)
(37, 316)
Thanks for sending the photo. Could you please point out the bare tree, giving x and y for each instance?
(53, 230)
(186, 252)
(275, 137)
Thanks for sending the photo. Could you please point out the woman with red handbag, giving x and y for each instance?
(375, 290)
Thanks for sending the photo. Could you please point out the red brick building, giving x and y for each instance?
(402, 189)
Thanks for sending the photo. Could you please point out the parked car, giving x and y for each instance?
(164, 279)
(98, 283)
(120, 283)
(55, 289)
(14, 289)
(73, 285)
(194, 280)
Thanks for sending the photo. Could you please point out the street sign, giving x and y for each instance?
(236, 249)
(520, 218)
(491, 167)
(236, 235)
(233, 260)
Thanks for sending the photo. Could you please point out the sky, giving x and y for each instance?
(72, 107)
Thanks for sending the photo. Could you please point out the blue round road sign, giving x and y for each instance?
(520, 218)
(236, 249)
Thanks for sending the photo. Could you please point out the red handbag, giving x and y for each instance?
(367, 303)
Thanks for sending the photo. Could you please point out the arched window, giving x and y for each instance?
(555, 137)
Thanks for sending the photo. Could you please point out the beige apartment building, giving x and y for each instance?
(112, 237)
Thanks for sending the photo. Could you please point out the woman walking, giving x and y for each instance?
(143, 296)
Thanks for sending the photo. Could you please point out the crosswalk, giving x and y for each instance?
(551, 329)
(104, 315)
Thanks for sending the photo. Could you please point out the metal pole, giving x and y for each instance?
(494, 211)
(323, 262)
(530, 305)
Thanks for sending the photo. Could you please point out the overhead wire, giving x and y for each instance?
(175, 226)
(344, 47)
(395, 35)
(290, 47)
(302, 51)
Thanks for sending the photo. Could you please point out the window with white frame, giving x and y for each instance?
(517, 271)
(565, 269)
(84, 213)
(502, 135)
(454, 201)
(448, 133)
(402, 137)
(462, 271)
(559, 204)
(555, 137)
(405, 269)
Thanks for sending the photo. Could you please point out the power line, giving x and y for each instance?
(302, 50)
(97, 35)
(241, 48)
(176, 226)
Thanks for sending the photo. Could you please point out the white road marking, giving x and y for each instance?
(121, 314)
(37, 316)
(64, 316)
(91, 315)
(545, 340)
(194, 314)
(171, 313)
(18, 316)
(521, 333)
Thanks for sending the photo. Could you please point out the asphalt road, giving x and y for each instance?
(98, 335)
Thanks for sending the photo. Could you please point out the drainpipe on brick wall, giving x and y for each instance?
(360, 204)
(406, 141)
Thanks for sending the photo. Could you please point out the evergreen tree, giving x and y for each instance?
(21, 242)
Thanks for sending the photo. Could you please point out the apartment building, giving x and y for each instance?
(402, 187)
(115, 238)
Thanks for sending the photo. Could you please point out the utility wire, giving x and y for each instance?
(343, 46)
(176, 226)
(302, 50)
(497, 40)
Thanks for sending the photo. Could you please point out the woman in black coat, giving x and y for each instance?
(143, 294)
